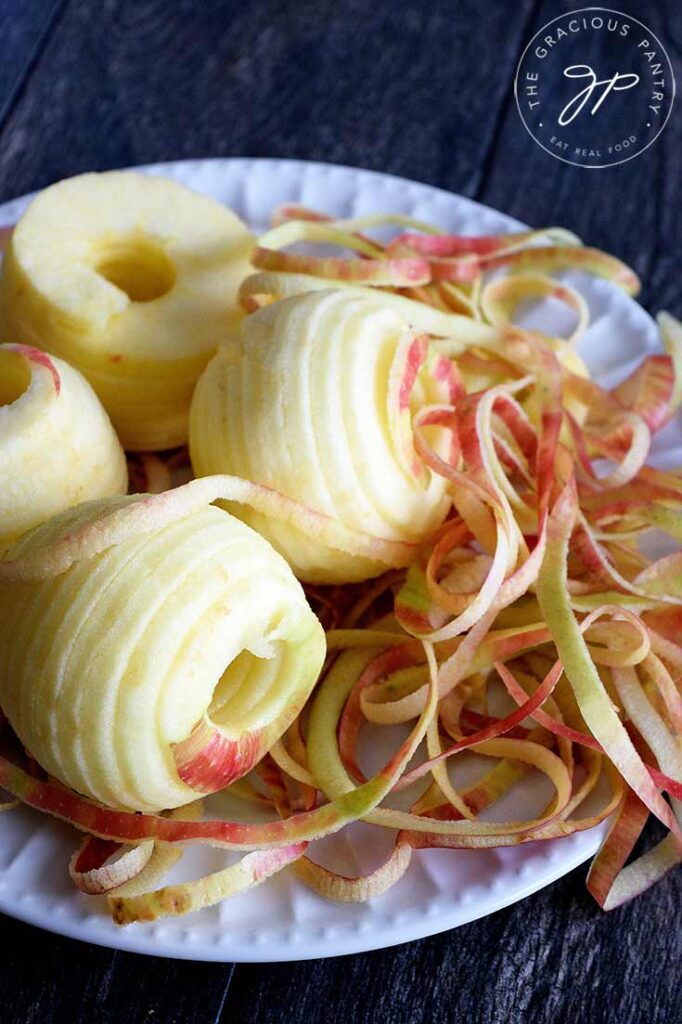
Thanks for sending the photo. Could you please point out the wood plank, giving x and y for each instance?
(421, 91)
(23, 29)
(555, 957)
(408, 88)
(46, 979)
(632, 210)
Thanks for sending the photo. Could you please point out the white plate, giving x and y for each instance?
(281, 919)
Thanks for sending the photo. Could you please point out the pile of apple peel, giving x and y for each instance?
(526, 625)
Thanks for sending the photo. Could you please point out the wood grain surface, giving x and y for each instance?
(424, 90)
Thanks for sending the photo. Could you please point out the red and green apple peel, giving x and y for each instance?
(464, 507)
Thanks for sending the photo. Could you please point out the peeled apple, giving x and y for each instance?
(152, 648)
(133, 280)
(314, 399)
(57, 446)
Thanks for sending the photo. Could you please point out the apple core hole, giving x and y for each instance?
(138, 266)
(15, 376)
(248, 685)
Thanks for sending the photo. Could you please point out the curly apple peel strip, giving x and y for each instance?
(517, 292)
(426, 258)
(518, 479)
(147, 513)
(93, 872)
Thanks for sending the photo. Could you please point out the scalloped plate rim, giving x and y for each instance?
(186, 942)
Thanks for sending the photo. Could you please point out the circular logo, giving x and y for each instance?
(594, 87)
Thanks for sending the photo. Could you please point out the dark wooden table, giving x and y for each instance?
(424, 90)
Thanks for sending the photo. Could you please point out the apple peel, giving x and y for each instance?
(528, 581)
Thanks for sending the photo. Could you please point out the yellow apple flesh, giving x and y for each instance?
(57, 446)
(132, 279)
(162, 666)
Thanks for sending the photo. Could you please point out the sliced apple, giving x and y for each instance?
(315, 400)
(133, 279)
(57, 446)
(156, 663)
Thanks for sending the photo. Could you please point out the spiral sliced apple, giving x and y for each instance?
(314, 400)
(57, 446)
(132, 279)
(161, 657)
(141, 640)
